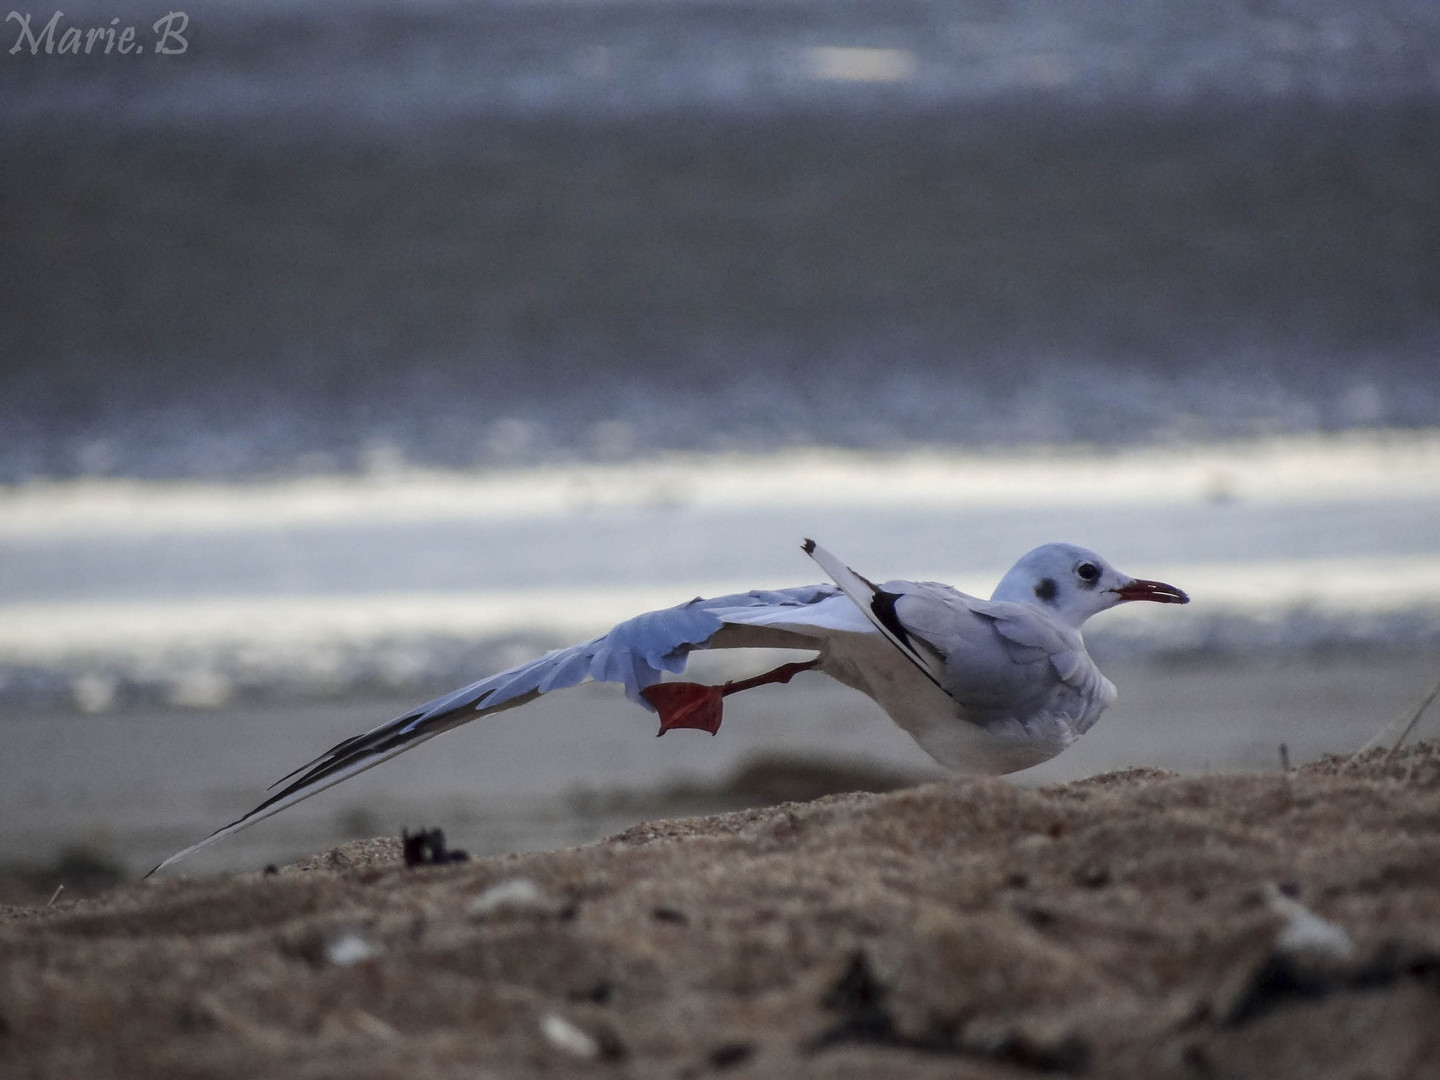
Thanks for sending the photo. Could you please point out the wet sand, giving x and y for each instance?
(134, 786)
(1136, 924)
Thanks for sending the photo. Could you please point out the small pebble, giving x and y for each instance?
(349, 948)
(729, 1054)
(513, 894)
(1305, 933)
(563, 1035)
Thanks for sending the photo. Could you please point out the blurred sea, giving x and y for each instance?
(368, 241)
(455, 253)
(334, 236)
(128, 593)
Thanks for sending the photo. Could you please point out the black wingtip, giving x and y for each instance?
(808, 546)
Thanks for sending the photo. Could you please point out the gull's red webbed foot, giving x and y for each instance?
(686, 705)
(695, 705)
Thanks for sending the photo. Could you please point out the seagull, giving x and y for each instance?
(985, 687)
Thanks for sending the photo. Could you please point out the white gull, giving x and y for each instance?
(984, 686)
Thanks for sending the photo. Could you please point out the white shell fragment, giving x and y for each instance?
(1305, 934)
(512, 895)
(563, 1035)
(349, 948)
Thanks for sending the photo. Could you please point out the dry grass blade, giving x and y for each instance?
(1408, 720)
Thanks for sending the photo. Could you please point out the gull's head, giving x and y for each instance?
(1073, 583)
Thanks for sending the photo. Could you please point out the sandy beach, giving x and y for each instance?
(1135, 924)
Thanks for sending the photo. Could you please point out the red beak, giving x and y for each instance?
(1158, 591)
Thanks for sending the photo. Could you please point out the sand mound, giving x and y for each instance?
(1135, 924)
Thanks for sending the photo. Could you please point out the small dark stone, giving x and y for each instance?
(271, 868)
(194, 1020)
(427, 848)
(670, 915)
(730, 1054)
(1273, 982)
(1067, 1055)
(1091, 876)
(1282, 979)
(1197, 1059)
(1038, 917)
(856, 989)
(860, 998)
(599, 994)
(307, 947)
(611, 1048)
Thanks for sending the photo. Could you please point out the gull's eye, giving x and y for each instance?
(1088, 572)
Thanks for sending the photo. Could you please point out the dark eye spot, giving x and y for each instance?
(1045, 589)
(1088, 572)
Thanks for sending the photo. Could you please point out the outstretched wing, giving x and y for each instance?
(635, 653)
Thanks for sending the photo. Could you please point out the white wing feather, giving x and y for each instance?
(634, 652)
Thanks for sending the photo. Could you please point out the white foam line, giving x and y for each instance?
(1278, 471)
(39, 633)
